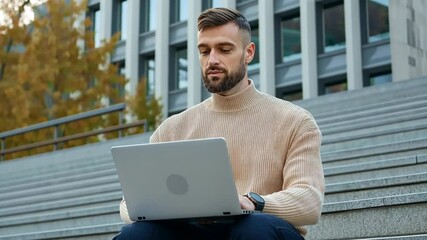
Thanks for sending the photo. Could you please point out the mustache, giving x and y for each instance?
(213, 68)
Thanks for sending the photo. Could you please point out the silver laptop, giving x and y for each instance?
(189, 179)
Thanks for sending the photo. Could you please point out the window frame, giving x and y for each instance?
(144, 70)
(91, 13)
(174, 65)
(118, 19)
(320, 26)
(288, 15)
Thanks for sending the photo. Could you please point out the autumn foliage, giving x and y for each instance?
(51, 69)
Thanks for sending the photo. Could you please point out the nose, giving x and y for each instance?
(213, 58)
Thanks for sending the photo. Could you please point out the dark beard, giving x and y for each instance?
(217, 85)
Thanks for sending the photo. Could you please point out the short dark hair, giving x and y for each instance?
(215, 17)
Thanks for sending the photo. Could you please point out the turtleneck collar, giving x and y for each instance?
(242, 100)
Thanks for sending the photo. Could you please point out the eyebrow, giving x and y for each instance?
(221, 44)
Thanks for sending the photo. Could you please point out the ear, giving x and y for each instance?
(249, 52)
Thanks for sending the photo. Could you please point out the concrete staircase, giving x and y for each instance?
(374, 155)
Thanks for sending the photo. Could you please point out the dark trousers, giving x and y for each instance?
(255, 226)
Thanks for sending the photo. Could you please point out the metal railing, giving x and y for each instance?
(56, 123)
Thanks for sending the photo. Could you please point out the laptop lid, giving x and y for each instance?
(177, 180)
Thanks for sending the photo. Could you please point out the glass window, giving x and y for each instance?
(149, 68)
(254, 64)
(152, 15)
(148, 15)
(119, 18)
(241, 1)
(211, 4)
(183, 10)
(333, 28)
(121, 70)
(215, 3)
(380, 78)
(94, 15)
(378, 24)
(335, 87)
(181, 65)
(96, 26)
(291, 38)
(179, 10)
(292, 96)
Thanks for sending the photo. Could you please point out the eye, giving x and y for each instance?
(203, 51)
(225, 50)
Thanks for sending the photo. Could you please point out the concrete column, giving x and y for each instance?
(308, 48)
(408, 39)
(162, 54)
(266, 39)
(132, 43)
(194, 89)
(106, 8)
(353, 44)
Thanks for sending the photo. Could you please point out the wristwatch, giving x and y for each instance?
(257, 200)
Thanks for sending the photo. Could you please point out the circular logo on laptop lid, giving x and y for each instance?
(177, 184)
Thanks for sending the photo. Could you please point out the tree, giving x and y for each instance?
(140, 108)
(51, 68)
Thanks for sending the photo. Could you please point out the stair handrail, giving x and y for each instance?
(120, 107)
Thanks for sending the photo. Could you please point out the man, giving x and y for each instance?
(274, 146)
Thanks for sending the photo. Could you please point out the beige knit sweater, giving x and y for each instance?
(274, 147)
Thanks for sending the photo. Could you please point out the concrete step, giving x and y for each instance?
(380, 150)
(368, 95)
(55, 171)
(376, 187)
(47, 161)
(90, 190)
(58, 188)
(382, 191)
(93, 232)
(71, 158)
(58, 177)
(374, 158)
(376, 183)
(407, 237)
(395, 132)
(352, 189)
(60, 219)
(371, 106)
(375, 169)
(390, 216)
(368, 122)
(386, 112)
(69, 203)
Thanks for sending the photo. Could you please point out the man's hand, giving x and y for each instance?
(245, 203)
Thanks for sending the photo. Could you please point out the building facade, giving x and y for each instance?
(304, 48)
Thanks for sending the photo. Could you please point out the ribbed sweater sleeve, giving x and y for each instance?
(274, 149)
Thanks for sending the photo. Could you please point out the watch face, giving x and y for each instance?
(256, 197)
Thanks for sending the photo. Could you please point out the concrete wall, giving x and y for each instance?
(408, 37)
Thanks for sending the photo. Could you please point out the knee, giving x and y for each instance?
(144, 230)
(264, 226)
